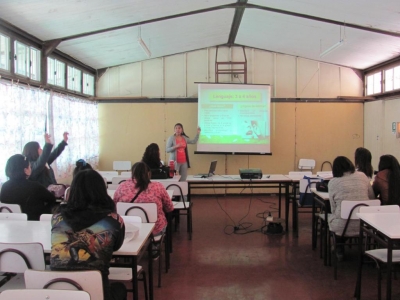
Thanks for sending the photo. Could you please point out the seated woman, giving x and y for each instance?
(362, 161)
(151, 156)
(33, 198)
(387, 182)
(81, 165)
(84, 223)
(41, 160)
(140, 189)
(346, 184)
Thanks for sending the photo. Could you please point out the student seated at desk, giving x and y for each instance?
(33, 197)
(346, 184)
(362, 161)
(88, 222)
(387, 182)
(140, 189)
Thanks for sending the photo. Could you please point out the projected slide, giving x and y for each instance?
(234, 118)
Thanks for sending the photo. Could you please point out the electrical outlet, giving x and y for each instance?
(270, 218)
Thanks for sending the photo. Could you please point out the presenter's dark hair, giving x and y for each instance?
(362, 160)
(31, 151)
(16, 165)
(341, 165)
(389, 162)
(81, 165)
(89, 191)
(183, 131)
(141, 174)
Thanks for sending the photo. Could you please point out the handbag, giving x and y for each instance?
(58, 190)
(323, 186)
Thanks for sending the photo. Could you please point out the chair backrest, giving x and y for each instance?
(111, 193)
(306, 164)
(89, 281)
(325, 173)
(10, 208)
(18, 257)
(126, 173)
(347, 207)
(41, 294)
(112, 186)
(45, 217)
(132, 219)
(122, 165)
(66, 193)
(380, 209)
(180, 188)
(119, 179)
(146, 211)
(108, 174)
(14, 216)
(300, 173)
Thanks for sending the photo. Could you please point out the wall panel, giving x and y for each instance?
(174, 76)
(307, 78)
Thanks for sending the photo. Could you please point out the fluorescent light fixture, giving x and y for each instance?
(144, 47)
(330, 49)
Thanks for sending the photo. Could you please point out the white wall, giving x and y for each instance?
(175, 76)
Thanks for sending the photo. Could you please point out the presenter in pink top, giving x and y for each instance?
(177, 147)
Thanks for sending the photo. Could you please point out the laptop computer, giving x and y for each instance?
(211, 171)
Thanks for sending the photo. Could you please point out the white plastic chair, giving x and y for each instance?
(89, 281)
(125, 274)
(182, 207)
(148, 214)
(348, 212)
(43, 294)
(306, 164)
(10, 208)
(119, 179)
(112, 186)
(45, 217)
(122, 165)
(14, 216)
(108, 175)
(126, 173)
(17, 258)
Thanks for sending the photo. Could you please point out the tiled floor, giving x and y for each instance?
(220, 264)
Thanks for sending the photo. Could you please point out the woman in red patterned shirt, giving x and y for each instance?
(140, 189)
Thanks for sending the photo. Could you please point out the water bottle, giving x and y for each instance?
(171, 168)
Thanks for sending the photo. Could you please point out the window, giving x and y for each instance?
(88, 84)
(4, 52)
(74, 79)
(392, 79)
(374, 83)
(22, 119)
(27, 61)
(55, 72)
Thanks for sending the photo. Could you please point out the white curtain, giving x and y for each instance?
(26, 112)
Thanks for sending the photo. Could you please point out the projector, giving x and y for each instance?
(250, 173)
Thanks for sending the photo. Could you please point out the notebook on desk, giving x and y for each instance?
(211, 171)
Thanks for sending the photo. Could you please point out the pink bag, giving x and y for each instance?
(58, 190)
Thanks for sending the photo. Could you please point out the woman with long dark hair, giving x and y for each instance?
(151, 156)
(41, 159)
(140, 189)
(88, 221)
(362, 161)
(177, 147)
(387, 182)
(33, 198)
